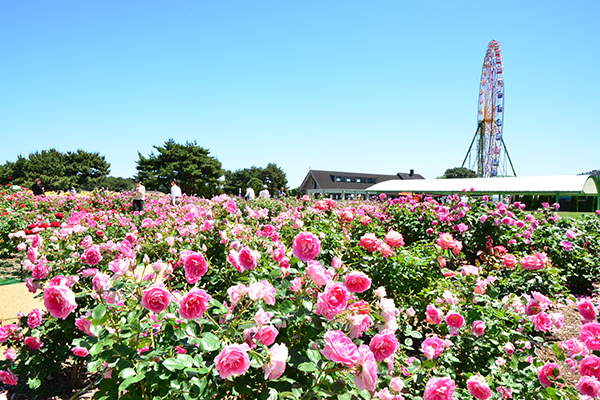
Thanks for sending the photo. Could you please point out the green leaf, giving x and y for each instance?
(131, 380)
(173, 364)
(98, 312)
(127, 372)
(209, 342)
(186, 360)
(307, 367)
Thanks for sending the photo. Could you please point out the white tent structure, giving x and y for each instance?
(576, 185)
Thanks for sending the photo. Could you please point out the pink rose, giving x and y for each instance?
(266, 335)
(194, 304)
(262, 317)
(433, 347)
(233, 360)
(394, 239)
(383, 345)
(340, 348)
(479, 388)
(195, 267)
(439, 389)
(357, 282)
(248, 259)
(541, 321)
(478, 328)
(332, 301)
(469, 270)
(91, 255)
(34, 319)
(34, 343)
(101, 282)
(358, 324)
(548, 373)
(455, 320)
(588, 386)
(84, 325)
(278, 355)
(317, 273)
(574, 347)
(365, 377)
(59, 301)
(590, 366)
(262, 290)
(156, 298)
(370, 242)
(306, 246)
(445, 241)
(8, 378)
(590, 335)
(587, 310)
(433, 315)
(39, 271)
(509, 261)
(237, 292)
(80, 351)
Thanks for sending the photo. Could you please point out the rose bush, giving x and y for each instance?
(390, 298)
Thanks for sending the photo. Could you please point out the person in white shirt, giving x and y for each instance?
(139, 195)
(264, 194)
(249, 193)
(175, 193)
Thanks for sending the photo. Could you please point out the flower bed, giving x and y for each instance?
(222, 298)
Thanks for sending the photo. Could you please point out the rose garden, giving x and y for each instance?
(404, 298)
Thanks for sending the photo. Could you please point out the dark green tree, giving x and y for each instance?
(87, 169)
(197, 172)
(271, 175)
(459, 172)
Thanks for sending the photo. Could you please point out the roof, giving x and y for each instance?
(338, 180)
(575, 185)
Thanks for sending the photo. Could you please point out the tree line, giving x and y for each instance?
(198, 172)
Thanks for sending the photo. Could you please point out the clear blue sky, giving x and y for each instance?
(364, 86)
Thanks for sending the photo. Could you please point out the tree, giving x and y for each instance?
(197, 171)
(459, 172)
(58, 171)
(256, 177)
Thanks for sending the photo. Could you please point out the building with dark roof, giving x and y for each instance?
(347, 185)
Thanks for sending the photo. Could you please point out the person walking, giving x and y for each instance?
(37, 188)
(264, 194)
(139, 195)
(249, 193)
(175, 193)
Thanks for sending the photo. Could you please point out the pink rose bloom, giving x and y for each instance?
(195, 267)
(194, 304)
(469, 270)
(233, 360)
(278, 355)
(445, 241)
(433, 315)
(262, 290)
(456, 247)
(588, 386)
(541, 321)
(340, 348)
(357, 282)
(455, 320)
(590, 366)
(39, 271)
(317, 273)
(478, 328)
(266, 335)
(574, 347)
(548, 373)
(34, 343)
(479, 388)
(358, 324)
(86, 241)
(332, 301)
(156, 298)
(237, 292)
(365, 377)
(432, 347)
(34, 319)
(59, 301)
(296, 285)
(386, 250)
(10, 354)
(509, 348)
(91, 255)
(383, 345)
(80, 351)
(509, 261)
(101, 282)
(439, 389)
(590, 335)
(394, 239)
(8, 378)
(262, 317)
(587, 310)
(248, 259)
(370, 242)
(84, 325)
(306, 246)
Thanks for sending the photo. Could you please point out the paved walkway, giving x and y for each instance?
(16, 298)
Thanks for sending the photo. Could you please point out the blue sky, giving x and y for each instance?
(363, 86)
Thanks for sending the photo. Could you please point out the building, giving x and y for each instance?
(346, 185)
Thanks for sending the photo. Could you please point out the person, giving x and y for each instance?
(139, 195)
(175, 193)
(72, 190)
(249, 193)
(281, 193)
(37, 188)
(264, 194)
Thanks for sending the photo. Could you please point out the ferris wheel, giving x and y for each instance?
(489, 160)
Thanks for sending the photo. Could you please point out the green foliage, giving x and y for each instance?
(459, 172)
(272, 176)
(197, 172)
